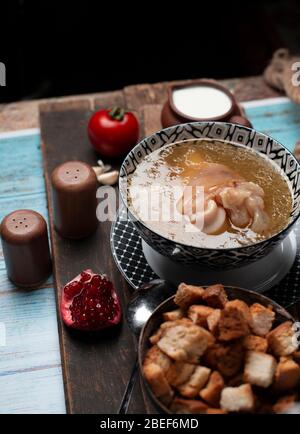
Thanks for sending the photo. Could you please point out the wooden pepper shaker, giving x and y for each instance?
(26, 250)
(74, 186)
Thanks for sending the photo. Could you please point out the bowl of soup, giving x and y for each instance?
(211, 193)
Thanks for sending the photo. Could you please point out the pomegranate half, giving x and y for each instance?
(89, 302)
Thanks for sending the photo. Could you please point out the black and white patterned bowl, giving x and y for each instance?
(233, 134)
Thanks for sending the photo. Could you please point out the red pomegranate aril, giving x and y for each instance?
(73, 289)
(91, 290)
(96, 280)
(94, 306)
(84, 276)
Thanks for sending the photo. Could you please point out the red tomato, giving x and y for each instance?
(113, 132)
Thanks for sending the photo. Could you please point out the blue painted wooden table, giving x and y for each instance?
(30, 365)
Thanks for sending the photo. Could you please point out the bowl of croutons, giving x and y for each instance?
(219, 350)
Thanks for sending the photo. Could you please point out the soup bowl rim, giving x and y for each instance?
(135, 218)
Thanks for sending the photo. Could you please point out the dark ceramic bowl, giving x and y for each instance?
(156, 319)
(235, 135)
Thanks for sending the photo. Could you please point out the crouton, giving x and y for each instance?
(188, 406)
(215, 296)
(199, 314)
(284, 403)
(187, 295)
(226, 358)
(185, 342)
(158, 334)
(232, 324)
(156, 337)
(156, 356)
(179, 373)
(255, 343)
(281, 340)
(213, 321)
(212, 391)
(242, 307)
(259, 368)
(261, 319)
(158, 383)
(237, 398)
(173, 315)
(287, 375)
(196, 382)
(164, 326)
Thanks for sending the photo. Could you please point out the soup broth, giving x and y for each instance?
(248, 192)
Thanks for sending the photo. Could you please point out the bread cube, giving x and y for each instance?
(259, 368)
(261, 319)
(199, 314)
(215, 296)
(156, 356)
(237, 399)
(287, 375)
(173, 315)
(242, 307)
(164, 326)
(213, 321)
(187, 295)
(185, 342)
(158, 383)
(191, 388)
(212, 391)
(281, 340)
(232, 324)
(227, 358)
(255, 343)
(179, 373)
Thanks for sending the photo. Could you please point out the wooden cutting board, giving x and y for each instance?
(96, 367)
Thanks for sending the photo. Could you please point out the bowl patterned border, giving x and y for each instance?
(233, 134)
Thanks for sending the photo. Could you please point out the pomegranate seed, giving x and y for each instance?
(91, 289)
(73, 288)
(96, 280)
(85, 277)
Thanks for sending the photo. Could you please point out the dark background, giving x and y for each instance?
(53, 48)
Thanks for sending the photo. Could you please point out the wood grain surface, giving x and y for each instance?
(97, 367)
(30, 365)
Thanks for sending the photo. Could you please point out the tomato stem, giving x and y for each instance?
(117, 113)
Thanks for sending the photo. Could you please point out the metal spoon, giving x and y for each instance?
(141, 305)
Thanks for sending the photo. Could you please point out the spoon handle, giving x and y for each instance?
(128, 392)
